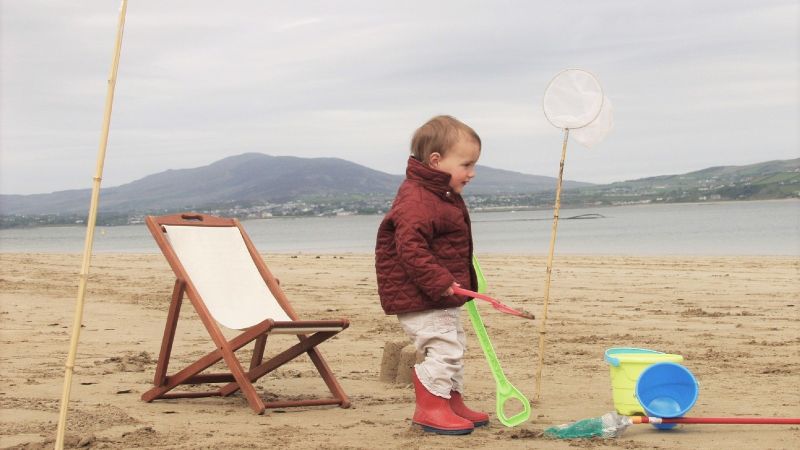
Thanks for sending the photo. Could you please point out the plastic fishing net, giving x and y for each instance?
(574, 101)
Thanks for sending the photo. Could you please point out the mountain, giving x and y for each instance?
(326, 185)
(253, 178)
(489, 181)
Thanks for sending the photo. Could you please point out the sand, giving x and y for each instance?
(736, 320)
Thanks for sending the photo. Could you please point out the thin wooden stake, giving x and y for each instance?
(543, 323)
(90, 224)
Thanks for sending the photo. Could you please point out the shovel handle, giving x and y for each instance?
(505, 392)
(720, 420)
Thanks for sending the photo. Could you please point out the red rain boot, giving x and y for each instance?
(479, 419)
(433, 413)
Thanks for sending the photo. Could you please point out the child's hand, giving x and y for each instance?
(449, 290)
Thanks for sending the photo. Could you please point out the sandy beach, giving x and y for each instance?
(736, 321)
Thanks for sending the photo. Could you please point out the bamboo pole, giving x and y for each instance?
(543, 323)
(90, 224)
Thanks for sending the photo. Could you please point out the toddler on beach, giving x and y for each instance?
(423, 250)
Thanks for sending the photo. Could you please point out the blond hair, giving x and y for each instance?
(438, 135)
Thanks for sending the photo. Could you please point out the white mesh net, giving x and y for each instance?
(573, 99)
(598, 129)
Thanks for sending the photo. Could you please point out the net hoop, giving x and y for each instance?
(589, 100)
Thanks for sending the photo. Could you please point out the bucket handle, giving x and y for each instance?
(614, 361)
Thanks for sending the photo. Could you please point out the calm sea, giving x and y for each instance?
(729, 228)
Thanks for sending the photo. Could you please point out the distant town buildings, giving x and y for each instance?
(675, 189)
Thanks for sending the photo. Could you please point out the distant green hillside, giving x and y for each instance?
(767, 180)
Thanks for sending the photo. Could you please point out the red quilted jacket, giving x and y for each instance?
(424, 244)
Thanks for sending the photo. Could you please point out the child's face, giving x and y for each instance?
(459, 162)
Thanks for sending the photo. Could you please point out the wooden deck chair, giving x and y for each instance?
(218, 268)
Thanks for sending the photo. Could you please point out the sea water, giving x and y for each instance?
(723, 228)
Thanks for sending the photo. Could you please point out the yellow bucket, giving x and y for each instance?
(627, 363)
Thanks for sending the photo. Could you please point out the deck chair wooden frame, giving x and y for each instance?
(310, 333)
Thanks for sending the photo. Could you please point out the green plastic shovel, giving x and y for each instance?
(505, 390)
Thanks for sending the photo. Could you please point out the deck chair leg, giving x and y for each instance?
(258, 351)
(328, 377)
(182, 376)
(169, 333)
(190, 374)
(238, 372)
(306, 344)
(249, 391)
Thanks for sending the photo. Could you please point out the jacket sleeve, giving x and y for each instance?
(413, 232)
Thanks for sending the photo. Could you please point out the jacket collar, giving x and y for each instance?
(432, 179)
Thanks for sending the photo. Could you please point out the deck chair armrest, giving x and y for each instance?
(308, 326)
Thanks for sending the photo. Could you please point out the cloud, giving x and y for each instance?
(693, 83)
(299, 23)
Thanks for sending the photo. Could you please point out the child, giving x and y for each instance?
(423, 250)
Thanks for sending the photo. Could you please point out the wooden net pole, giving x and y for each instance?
(543, 323)
(90, 224)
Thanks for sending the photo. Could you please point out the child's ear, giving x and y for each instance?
(433, 159)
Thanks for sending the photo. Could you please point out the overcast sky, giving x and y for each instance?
(694, 83)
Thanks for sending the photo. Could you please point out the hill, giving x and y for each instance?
(254, 185)
(250, 179)
(760, 181)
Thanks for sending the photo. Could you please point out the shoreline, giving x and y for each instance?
(564, 207)
(493, 255)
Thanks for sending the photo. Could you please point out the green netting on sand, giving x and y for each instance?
(606, 426)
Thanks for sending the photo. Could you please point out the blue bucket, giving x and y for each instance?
(666, 390)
